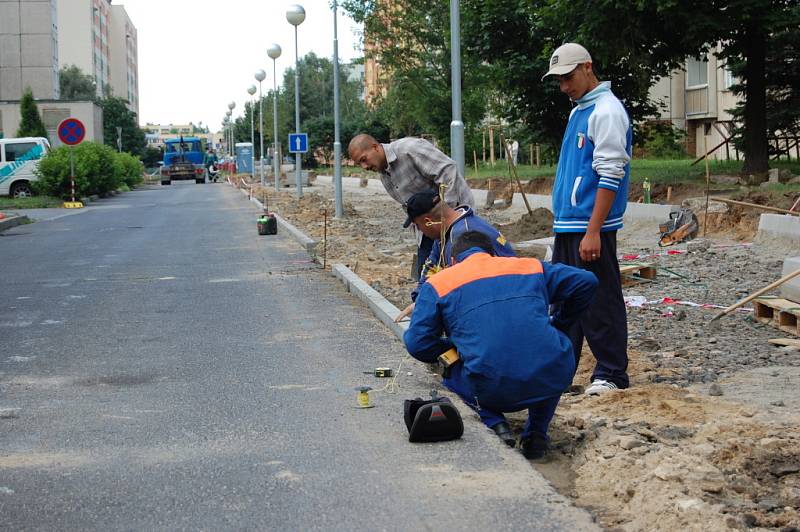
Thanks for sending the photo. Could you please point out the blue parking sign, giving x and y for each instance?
(298, 142)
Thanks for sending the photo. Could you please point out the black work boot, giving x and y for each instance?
(505, 433)
(533, 447)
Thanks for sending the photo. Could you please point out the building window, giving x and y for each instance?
(696, 71)
(728, 79)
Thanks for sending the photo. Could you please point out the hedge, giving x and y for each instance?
(98, 170)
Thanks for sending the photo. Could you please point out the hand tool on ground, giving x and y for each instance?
(756, 294)
(383, 373)
(363, 397)
(682, 226)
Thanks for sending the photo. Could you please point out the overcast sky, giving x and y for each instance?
(195, 57)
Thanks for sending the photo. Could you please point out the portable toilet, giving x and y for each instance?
(244, 157)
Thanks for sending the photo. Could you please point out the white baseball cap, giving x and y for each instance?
(566, 58)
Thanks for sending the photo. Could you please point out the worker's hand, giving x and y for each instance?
(406, 312)
(590, 247)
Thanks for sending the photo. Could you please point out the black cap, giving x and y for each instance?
(419, 204)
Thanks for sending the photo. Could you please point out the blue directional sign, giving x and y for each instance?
(298, 142)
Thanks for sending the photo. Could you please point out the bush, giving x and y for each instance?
(130, 169)
(151, 157)
(98, 170)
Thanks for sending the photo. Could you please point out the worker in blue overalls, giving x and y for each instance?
(495, 312)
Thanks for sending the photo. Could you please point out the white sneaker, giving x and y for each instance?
(600, 386)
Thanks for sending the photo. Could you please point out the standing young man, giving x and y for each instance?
(589, 200)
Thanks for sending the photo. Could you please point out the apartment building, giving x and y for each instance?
(124, 57)
(376, 79)
(101, 40)
(83, 38)
(356, 73)
(697, 99)
(28, 49)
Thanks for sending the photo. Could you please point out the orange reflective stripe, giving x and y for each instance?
(481, 266)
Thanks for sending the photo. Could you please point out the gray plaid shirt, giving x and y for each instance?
(415, 165)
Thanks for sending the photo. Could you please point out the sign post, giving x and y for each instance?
(71, 131)
(298, 144)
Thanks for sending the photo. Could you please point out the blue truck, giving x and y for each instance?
(183, 159)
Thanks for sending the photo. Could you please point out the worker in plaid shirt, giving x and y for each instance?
(409, 166)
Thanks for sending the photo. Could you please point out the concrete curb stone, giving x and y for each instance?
(13, 221)
(780, 229)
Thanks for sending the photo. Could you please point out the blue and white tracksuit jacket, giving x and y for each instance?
(467, 221)
(495, 311)
(595, 153)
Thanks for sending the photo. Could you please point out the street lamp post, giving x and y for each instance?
(228, 114)
(251, 90)
(456, 126)
(337, 146)
(295, 15)
(274, 52)
(260, 76)
(231, 105)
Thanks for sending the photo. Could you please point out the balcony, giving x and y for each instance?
(697, 104)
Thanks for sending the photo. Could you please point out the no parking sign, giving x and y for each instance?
(71, 131)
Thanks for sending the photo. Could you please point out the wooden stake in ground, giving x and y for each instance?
(755, 206)
(491, 146)
(513, 170)
(708, 181)
(475, 158)
(756, 294)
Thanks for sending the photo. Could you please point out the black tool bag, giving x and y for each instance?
(430, 420)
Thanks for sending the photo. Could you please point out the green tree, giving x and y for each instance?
(415, 51)
(654, 37)
(506, 45)
(75, 85)
(30, 124)
(761, 47)
(116, 114)
(316, 107)
(151, 156)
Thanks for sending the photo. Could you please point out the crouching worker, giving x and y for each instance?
(494, 312)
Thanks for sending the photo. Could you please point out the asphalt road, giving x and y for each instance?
(162, 367)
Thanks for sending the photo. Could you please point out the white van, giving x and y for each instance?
(18, 160)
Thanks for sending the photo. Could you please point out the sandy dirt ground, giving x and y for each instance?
(708, 435)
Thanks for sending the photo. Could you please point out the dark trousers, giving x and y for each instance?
(605, 323)
(539, 414)
(424, 250)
